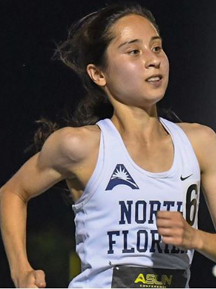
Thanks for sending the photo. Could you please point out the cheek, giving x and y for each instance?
(165, 62)
(122, 79)
(125, 72)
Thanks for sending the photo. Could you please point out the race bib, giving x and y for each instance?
(139, 277)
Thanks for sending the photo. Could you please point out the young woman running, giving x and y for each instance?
(134, 176)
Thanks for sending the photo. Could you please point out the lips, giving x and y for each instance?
(154, 78)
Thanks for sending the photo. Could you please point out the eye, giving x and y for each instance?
(134, 52)
(157, 49)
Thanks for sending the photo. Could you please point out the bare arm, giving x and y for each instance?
(52, 164)
(207, 158)
(171, 225)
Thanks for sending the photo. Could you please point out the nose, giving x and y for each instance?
(152, 60)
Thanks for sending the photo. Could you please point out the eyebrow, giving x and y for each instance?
(156, 37)
(138, 40)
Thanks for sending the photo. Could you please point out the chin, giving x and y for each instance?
(152, 100)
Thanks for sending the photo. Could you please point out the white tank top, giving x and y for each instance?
(115, 217)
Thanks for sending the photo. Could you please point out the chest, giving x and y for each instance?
(155, 157)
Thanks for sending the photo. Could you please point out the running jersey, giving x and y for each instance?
(115, 217)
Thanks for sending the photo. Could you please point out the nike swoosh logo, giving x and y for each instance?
(183, 179)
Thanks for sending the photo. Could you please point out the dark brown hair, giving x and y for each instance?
(87, 43)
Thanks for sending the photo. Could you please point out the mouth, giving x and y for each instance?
(154, 79)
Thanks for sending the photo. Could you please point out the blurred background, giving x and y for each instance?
(33, 86)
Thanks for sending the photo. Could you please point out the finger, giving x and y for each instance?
(168, 240)
(164, 223)
(29, 281)
(163, 215)
(174, 241)
(40, 279)
(166, 232)
(171, 224)
(167, 214)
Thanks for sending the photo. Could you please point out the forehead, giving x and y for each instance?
(133, 26)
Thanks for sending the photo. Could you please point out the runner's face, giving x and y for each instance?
(138, 68)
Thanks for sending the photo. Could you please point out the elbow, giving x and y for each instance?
(2, 193)
(8, 194)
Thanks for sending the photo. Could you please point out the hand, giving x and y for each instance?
(175, 230)
(32, 279)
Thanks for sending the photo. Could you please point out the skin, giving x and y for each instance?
(71, 153)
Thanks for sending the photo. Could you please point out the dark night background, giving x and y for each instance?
(34, 85)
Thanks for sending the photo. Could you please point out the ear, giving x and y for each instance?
(96, 75)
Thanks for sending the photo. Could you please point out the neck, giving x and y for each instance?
(138, 123)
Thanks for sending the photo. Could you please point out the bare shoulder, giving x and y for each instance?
(71, 143)
(198, 132)
(203, 140)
